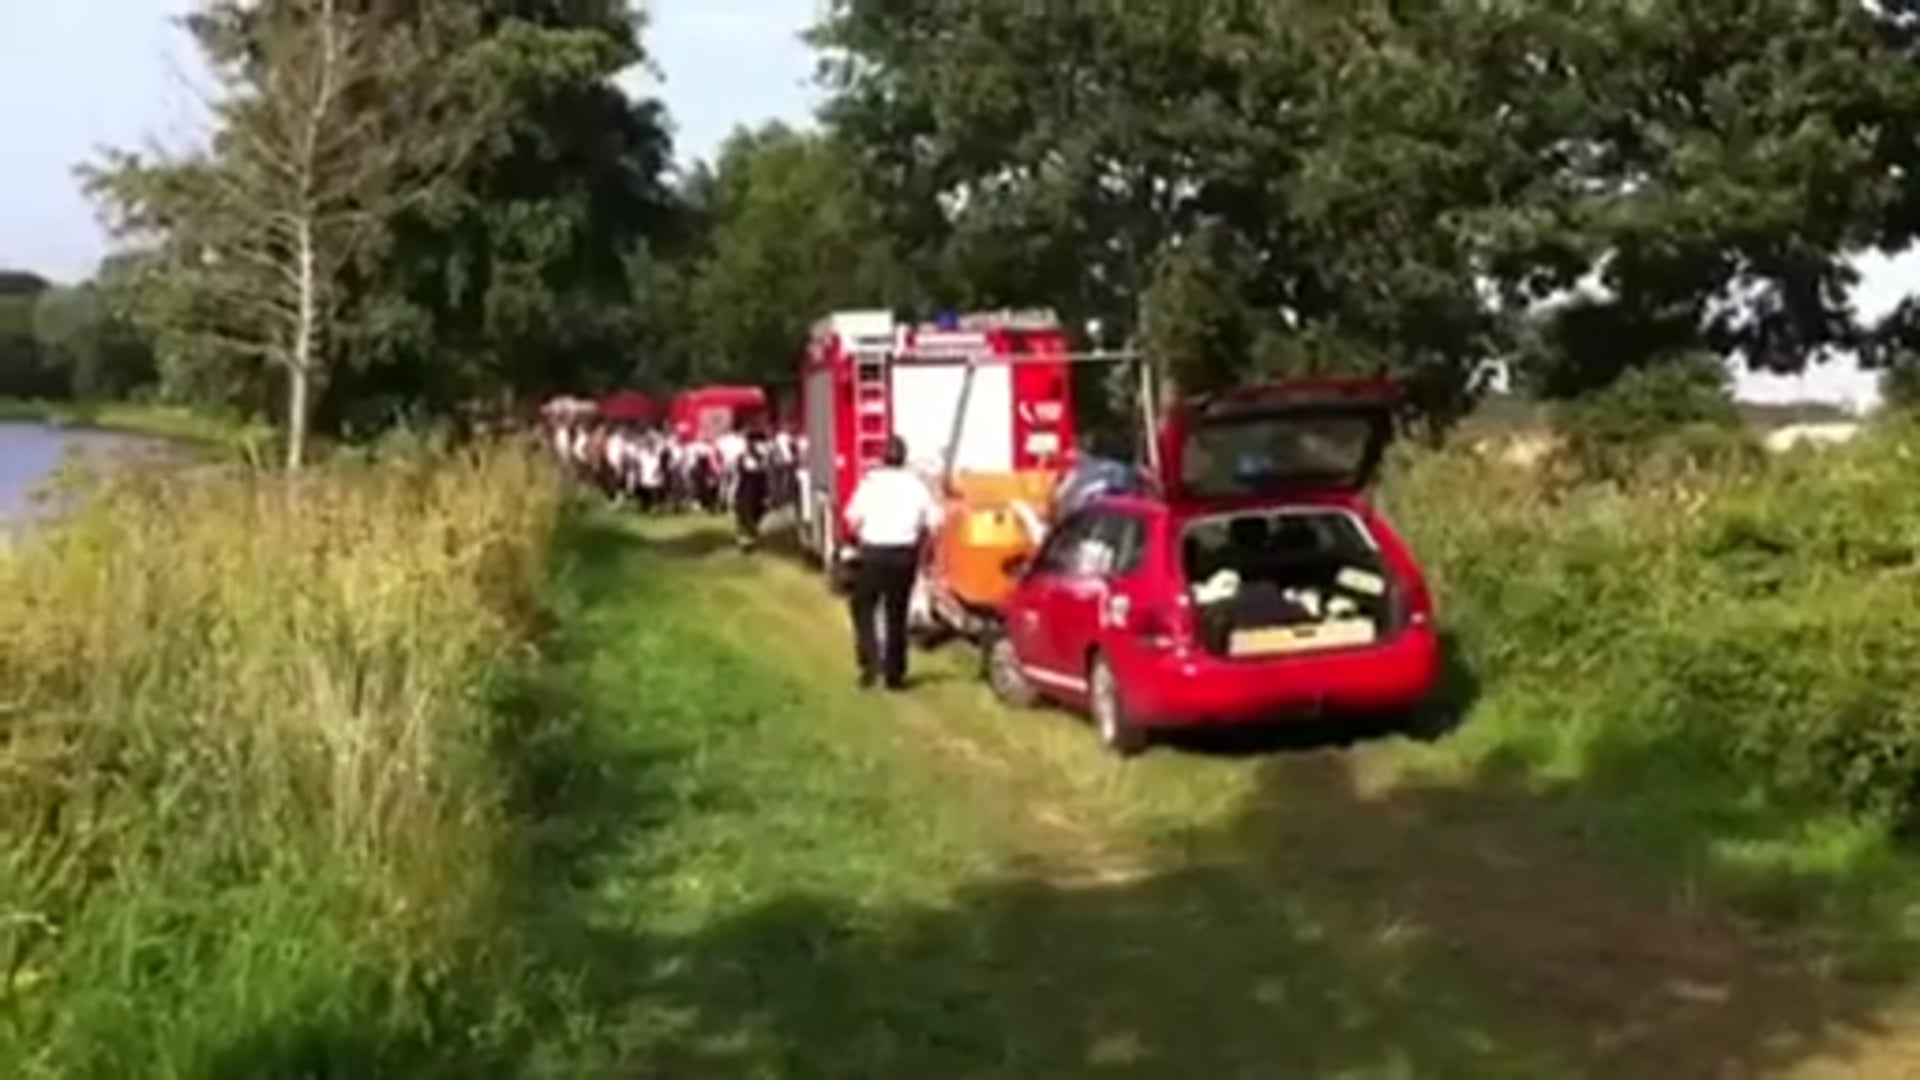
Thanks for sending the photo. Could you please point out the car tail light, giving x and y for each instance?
(1419, 603)
(1155, 626)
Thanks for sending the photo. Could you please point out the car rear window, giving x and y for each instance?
(1232, 456)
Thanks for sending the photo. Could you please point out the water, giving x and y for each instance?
(29, 453)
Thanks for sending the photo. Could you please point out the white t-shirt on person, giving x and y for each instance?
(891, 507)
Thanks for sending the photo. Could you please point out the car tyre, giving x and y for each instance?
(1117, 731)
(1001, 664)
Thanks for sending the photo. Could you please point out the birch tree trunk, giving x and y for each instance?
(306, 331)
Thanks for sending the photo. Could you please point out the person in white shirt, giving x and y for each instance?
(582, 442)
(890, 515)
(752, 478)
(729, 447)
(650, 472)
(785, 462)
(703, 475)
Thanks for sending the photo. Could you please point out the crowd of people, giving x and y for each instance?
(748, 474)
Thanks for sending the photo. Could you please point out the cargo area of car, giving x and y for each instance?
(1277, 583)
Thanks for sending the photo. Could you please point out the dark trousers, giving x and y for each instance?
(882, 585)
(749, 506)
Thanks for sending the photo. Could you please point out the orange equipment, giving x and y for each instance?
(989, 519)
(995, 520)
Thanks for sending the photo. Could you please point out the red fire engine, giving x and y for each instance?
(985, 394)
(708, 412)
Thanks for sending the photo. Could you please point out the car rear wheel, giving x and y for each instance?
(1009, 683)
(1117, 731)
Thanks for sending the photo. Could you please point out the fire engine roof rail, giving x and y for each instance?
(982, 358)
(1011, 319)
(865, 323)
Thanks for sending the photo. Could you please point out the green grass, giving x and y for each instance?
(1705, 678)
(369, 773)
(758, 871)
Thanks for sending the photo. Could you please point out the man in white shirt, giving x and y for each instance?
(890, 514)
(729, 447)
(785, 463)
(650, 471)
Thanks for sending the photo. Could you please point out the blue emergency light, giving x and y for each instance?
(947, 320)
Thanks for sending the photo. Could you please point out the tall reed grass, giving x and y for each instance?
(248, 796)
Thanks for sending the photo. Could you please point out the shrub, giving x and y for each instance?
(1757, 620)
(1676, 414)
(1900, 383)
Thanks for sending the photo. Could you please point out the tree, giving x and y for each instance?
(22, 283)
(1410, 181)
(1066, 148)
(1726, 162)
(85, 335)
(1046, 153)
(1199, 330)
(1900, 384)
(519, 275)
(23, 373)
(791, 236)
(337, 115)
(89, 343)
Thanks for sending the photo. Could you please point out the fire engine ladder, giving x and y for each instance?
(872, 407)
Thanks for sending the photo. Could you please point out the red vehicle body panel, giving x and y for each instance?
(845, 432)
(1059, 624)
(629, 407)
(709, 411)
(1141, 622)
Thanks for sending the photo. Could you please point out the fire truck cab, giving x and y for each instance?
(979, 394)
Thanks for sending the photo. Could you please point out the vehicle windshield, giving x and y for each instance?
(1226, 457)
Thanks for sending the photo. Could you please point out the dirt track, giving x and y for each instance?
(1564, 957)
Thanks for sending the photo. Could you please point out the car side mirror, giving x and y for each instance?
(1016, 565)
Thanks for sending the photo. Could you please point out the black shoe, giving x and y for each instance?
(867, 680)
(896, 685)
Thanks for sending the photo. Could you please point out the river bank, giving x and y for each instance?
(168, 422)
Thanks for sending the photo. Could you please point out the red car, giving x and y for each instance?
(1257, 584)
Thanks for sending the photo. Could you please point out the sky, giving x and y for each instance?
(80, 75)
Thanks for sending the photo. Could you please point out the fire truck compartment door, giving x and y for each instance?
(926, 397)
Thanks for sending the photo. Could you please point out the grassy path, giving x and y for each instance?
(787, 877)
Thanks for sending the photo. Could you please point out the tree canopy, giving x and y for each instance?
(1577, 189)
(1408, 182)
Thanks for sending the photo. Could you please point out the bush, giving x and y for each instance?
(1756, 621)
(1675, 414)
(1900, 383)
(245, 740)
